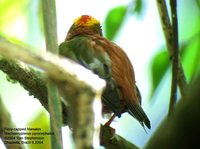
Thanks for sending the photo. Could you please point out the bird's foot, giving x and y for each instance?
(110, 120)
(107, 124)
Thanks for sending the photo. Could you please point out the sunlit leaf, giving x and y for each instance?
(159, 65)
(190, 54)
(138, 5)
(40, 121)
(198, 3)
(191, 57)
(114, 20)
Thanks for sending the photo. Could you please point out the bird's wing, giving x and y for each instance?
(123, 73)
(88, 52)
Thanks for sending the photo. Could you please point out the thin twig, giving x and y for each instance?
(168, 32)
(175, 59)
(169, 37)
(77, 89)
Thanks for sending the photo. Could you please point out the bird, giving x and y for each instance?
(86, 45)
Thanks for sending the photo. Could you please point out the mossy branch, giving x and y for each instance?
(35, 83)
(77, 92)
(66, 75)
(184, 122)
(32, 81)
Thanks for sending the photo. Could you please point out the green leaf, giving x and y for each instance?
(40, 120)
(191, 55)
(114, 20)
(198, 3)
(135, 7)
(138, 6)
(159, 65)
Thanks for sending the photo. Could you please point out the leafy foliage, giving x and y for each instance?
(159, 66)
(40, 120)
(114, 21)
(190, 53)
(189, 47)
(138, 5)
(191, 56)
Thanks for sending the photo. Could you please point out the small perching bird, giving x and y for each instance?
(86, 45)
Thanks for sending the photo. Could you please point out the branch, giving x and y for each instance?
(31, 81)
(75, 87)
(113, 141)
(169, 37)
(35, 84)
(70, 89)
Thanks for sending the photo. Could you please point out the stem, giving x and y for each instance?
(175, 59)
(168, 32)
(171, 37)
(49, 16)
(54, 103)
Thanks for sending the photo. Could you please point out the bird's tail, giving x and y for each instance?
(137, 112)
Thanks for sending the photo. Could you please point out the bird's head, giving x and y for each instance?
(84, 24)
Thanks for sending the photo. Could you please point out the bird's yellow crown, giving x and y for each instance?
(85, 20)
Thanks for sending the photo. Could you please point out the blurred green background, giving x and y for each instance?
(134, 25)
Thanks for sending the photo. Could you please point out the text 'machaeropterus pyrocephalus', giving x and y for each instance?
(86, 45)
